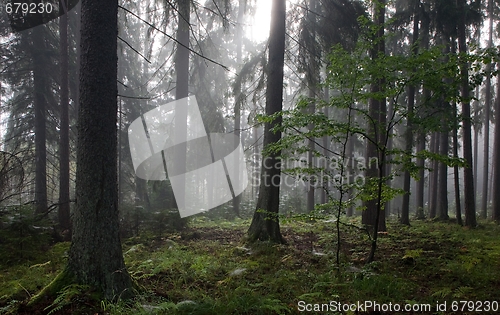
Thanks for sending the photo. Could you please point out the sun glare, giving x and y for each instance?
(259, 24)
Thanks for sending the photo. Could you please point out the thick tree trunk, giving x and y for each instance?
(469, 206)
(265, 221)
(63, 213)
(95, 257)
(40, 61)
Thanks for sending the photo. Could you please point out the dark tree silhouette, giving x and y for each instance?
(63, 213)
(469, 205)
(40, 62)
(265, 222)
(372, 215)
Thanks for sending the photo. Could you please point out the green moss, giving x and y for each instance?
(47, 294)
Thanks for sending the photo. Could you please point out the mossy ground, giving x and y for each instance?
(207, 270)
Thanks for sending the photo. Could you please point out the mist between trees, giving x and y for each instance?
(384, 110)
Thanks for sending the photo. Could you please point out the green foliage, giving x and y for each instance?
(214, 274)
(23, 236)
(67, 297)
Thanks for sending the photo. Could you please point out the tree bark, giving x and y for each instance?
(487, 106)
(40, 61)
(63, 212)
(442, 188)
(312, 76)
(456, 172)
(373, 216)
(326, 154)
(434, 178)
(469, 205)
(95, 257)
(238, 93)
(419, 193)
(377, 109)
(181, 87)
(350, 155)
(265, 225)
(496, 154)
(405, 208)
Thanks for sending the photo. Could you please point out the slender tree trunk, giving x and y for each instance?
(388, 167)
(421, 138)
(350, 169)
(40, 83)
(265, 224)
(182, 52)
(476, 119)
(63, 213)
(469, 206)
(405, 208)
(444, 144)
(442, 188)
(487, 106)
(256, 155)
(312, 78)
(238, 93)
(456, 171)
(181, 90)
(310, 154)
(326, 154)
(373, 216)
(78, 10)
(496, 155)
(434, 178)
(95, 257)
(419, 193)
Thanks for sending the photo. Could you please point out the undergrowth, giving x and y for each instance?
(207, 270)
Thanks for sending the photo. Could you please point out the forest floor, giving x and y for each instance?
(206, 269)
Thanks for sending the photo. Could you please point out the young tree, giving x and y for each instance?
(265, 221)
